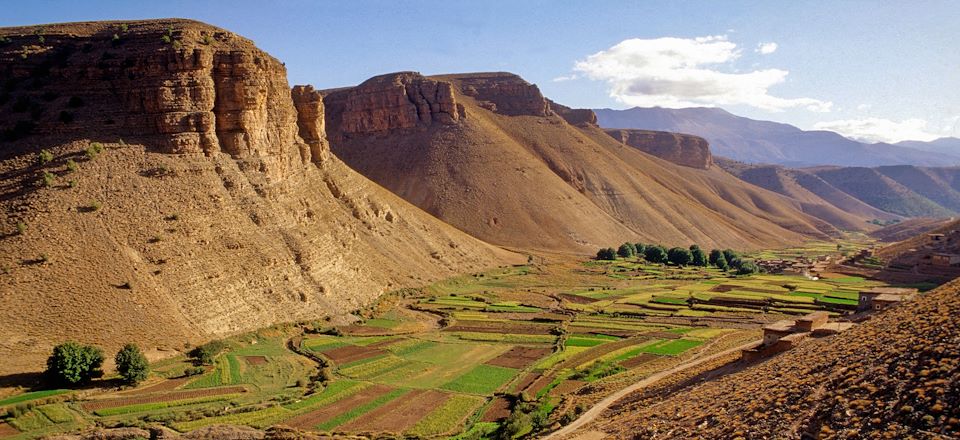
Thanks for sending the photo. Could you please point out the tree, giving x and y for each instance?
(72, 363)
(204, 354)
(735, 263)
(640, 248)
(655, 254)
(132, 364)
(606, 254)
(679, 256)
(721, 262)
(715, 255)
(747, 268)
(699, 257)
(730, 255)
(626, 250)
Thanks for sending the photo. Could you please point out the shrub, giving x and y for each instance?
(94, 206)
(204, 354)
(72, 363)
(72, 183)
(166, 39)
(47, 179)
(747, 268)
(206, 40)
(606, 254)
(93, 150)
(640, 248)
(193, 371)
(21, 228)
(44, 157)
(71, 165)
(132, 364)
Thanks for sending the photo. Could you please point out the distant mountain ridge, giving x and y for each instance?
(754, 141)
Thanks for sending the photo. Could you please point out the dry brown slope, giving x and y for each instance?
(909, 228)
(486, 153)
(213, 218)
(895, 376)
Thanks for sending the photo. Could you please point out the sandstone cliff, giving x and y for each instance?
(516, 169)
(681, 149)
(219, 211)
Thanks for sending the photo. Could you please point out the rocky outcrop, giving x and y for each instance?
(580, 117)
(502, 92)
(390, 102)
(681, 149)
(181, 86)
(310, 121)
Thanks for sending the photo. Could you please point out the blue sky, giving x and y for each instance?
(877, 70)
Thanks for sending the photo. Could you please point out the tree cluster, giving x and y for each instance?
(726, 259)
(72, 363)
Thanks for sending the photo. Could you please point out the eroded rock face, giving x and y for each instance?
(580, 117)
(503, 93)
(310, 121)
(183, 87)
(682, 149)
(390, 102)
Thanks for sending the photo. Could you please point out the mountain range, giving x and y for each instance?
(754, 141)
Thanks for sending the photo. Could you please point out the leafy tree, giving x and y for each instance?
(655, 254)
(715, 255)
(626, 250)
(699, 257)
(606, 254)
(730, 255)
(747, 268)
(72, 363)
(132, 364)
(679, 256)
(721, 262)
(640, 248)
(735, 263)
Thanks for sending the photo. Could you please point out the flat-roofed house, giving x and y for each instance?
(868, 296)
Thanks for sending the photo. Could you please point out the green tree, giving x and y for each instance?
(606, 254)
(72, 363)
(715, 255)
(132, 364)
(640, 248)
(747, 268)
(679, 256)
(730, 255)
(655, 254)
(699, 257)
(204, 354)
(721, 262)
(626, 250)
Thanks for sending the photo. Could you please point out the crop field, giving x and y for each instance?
(454, 359)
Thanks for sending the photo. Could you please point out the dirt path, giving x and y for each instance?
(591, 414)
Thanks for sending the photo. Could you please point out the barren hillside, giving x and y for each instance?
(895, 376)
(211, 216)
(490, 155)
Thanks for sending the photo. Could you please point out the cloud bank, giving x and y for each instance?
(880, 130)
(684, 72)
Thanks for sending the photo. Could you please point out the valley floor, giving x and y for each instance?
(523, 349)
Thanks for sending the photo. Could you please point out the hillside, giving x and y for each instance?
(754, 141)
(490, 155)
(155, 190)
(894, 376)
(948, 145)
(880, 191)
(909, 228)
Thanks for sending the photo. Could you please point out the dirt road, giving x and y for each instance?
(592, 413)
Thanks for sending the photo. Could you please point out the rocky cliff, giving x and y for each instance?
(161, 184)
(501, 92)
(681, 149)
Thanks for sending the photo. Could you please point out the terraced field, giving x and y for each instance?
(459, 357)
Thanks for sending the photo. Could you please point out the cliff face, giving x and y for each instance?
(580, 117)
(681, 149)
(211, 217)
(180, 86)
(393, 101)
(501, 92)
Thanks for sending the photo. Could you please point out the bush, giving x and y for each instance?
(606, 254)
(730, 255)
(626, 250)
(93, 150)
(44, 157)
(747, 268)
(193, 371)
(94, 206)
(640, 248)
(72, 363)
(679, 256)
(48, 179)
(21, 228)
(204, 354)
(132, 364)
(71, 165)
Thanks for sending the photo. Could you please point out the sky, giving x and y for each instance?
(871, 70)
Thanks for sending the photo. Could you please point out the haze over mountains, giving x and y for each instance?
(754, 141)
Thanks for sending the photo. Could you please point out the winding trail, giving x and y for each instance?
(595, 411)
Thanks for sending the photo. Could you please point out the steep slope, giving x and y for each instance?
(213, 217)
(895, 376)
(948, 145)
(909, 228)
(935, 184)
(816, 197)
(750, 140)
(880, 191)
(488, 154)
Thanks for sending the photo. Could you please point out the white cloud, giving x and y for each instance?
(681, 72)
(880, 130)
(766, 48)
(863, 107)
(565, 78)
